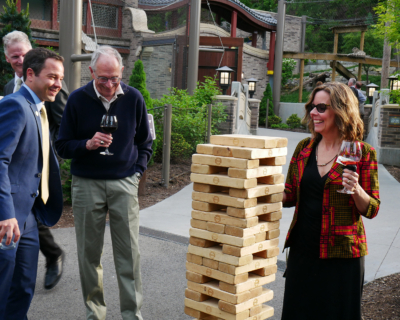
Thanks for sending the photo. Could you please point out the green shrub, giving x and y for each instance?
(138, 81)
(293, 121)
(288, 66)
(274, 120)
(280, 126)
(263, 106)
(395, 96)
(66, 178)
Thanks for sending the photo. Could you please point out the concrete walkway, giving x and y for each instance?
(163, 240)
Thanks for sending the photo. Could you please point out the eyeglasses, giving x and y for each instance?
(104, 80)
(321, 107)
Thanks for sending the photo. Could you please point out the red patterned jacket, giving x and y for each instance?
(342, 229)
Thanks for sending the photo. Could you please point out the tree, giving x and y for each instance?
(388, 24)
(138, 81)
(263, 105)
(12, 20)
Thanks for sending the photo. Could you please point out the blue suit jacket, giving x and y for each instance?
(21, 163)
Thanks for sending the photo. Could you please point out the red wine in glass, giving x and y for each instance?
(109, 124)
(350, 153)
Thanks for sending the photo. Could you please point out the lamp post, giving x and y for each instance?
(370, 91)
(224, 78)
(252, 86)
(394, 80)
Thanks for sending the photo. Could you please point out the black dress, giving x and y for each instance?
(320, 289)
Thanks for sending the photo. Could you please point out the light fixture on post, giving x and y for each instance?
(370, 91)
(224, 78)
(242, 75)
(252, 86)
(396, 82)
(392, 81)
(170, 68)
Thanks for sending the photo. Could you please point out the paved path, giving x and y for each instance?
(164, 237)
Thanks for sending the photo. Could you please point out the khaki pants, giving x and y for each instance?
(91, 199)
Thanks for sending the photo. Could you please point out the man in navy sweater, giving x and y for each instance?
(102, 183)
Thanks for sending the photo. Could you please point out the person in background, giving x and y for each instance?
(362, 98)
(358, 94)
(107, 183)
(16, 45)
(30, 185)
(327, 241)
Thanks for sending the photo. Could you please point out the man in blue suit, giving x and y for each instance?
(30, 186)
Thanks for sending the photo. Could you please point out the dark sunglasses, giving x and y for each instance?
(321, 107)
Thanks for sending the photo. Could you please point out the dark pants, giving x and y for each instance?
(48, 247)
(18, 268)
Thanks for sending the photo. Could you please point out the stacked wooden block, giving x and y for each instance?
(237, 205)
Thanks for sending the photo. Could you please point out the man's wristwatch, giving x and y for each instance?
(139, 175)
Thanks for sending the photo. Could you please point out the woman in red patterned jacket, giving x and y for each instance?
(325, 269)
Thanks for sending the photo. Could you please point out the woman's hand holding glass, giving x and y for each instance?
(350, 154)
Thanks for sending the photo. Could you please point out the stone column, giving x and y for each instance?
(254, 105)
(230, 103)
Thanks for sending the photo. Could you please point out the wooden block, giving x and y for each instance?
(255, 310)
(216, 274)
(277, 161)
(202, 242)
(246, 232)
(256, 264)
(199, 224)
(222, 238)
(259, 209)
(211, 307)
(223, 218)
(266, 271)
(192, 312)
(215, 227)
(215, 253)
(194, 258)
(262, 236)
(269, 253)
(201, 187)
(249, 141)
(211, 289)
(261, 171)
(257, 247)
(272, 198)
(222, 199)
(196, 277)
(255, 292)
(272, 179)
(253, 282)
(213, 264)
(266, 312)
(205, 148)
(272, 234)
(265, 296)
(196, 296)
(258, 191)
(204, 169)
(228, 162)
(206, 206)
(272, 216)
(223, 180)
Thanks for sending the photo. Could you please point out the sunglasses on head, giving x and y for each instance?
(321, 107)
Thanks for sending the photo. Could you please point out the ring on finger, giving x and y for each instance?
(101, 142)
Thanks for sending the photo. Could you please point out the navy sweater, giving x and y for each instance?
(131, 144)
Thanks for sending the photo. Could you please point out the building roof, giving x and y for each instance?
(263, 17)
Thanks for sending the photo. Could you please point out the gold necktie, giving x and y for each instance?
(44, 189)
(18, 86)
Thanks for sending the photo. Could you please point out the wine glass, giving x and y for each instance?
(11, 246)
(108, 124)
(350, 153)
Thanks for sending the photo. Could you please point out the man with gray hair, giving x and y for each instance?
(16, 46)
(107, 183)
(357, 92)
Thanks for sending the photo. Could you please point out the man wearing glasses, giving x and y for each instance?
(103, 183)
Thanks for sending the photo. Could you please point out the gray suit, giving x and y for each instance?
(54, 109)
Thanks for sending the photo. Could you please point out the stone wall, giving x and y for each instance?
(230, 103)
(388, 136)
(254, 67)
(254, 105)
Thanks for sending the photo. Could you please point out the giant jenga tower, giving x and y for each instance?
(237, 205)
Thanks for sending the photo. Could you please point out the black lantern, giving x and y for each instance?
(370, 91)
(394, 82)
(224, 78)
(252, 86)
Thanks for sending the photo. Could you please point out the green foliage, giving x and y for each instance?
(395, 96)
(263, 106)
(66, 178)
(288, 66)
(138, 81)
(293, 121)
(274, 120)
(373, 46)
(294, 96)
(280, 126)
(266, 5)
(189, 118)
(388, 24)
(319, 38)
(12, 20)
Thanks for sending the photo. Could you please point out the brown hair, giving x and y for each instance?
(345, 106)
(36, 59)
